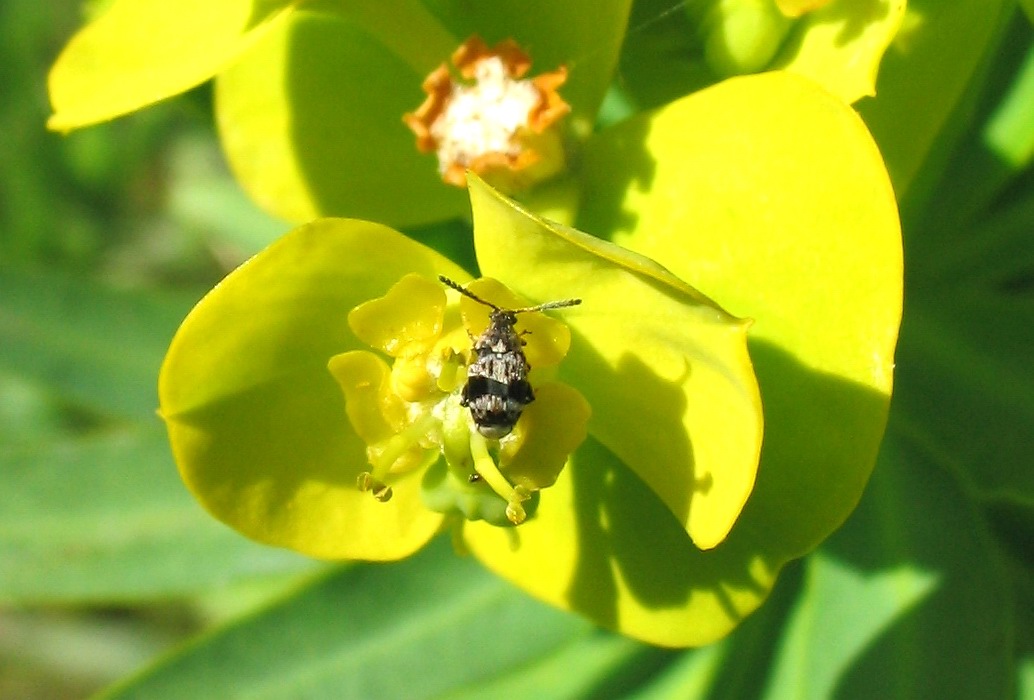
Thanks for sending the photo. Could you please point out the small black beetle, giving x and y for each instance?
(497, 388)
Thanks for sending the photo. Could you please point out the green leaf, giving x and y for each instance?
(768, 194)
(72, 652)
(256, 420)
(647, 75)
(689, 677)
(939, 50)
(966, 385)
(105, 519)
(204, 201)
(909, 599)
(966, 388)
(603, 661)
(1028, 7)
(141, 51)
(976, 179)
(92, 344)
(422, 628)
(1009, 134)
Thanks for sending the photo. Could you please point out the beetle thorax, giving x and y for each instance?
(500, 336)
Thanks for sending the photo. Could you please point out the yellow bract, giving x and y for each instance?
(840, 45)
(796, 8)
(782, 209)
(141, 51)
(665, 369)
(258, 424)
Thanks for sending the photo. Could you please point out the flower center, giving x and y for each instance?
(484, 118)
(491, 120)
(415, 414)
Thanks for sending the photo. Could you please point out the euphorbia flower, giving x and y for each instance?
(772, 194)
(413, 414)
(287, 425)
(765, 192)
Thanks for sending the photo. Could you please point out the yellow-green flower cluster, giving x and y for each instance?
(411, 416)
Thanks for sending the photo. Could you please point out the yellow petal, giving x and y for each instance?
(840, 46)
(142, 51)
(665, 370)
(405, 321)
(258, 424)
(551, 427)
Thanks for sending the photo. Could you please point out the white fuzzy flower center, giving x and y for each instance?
(484, 118)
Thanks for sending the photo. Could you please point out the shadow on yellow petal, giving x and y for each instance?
(601, 546)
(141, 51)
(664, 369)
(768, 193)
(841, 44)
(311, 121)
(257, 422)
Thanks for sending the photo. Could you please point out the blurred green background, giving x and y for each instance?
(111, 573)
(107, 237)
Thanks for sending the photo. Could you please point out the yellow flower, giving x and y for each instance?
(413, 415)
(350, 440)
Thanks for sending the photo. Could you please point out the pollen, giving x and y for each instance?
(491, 119)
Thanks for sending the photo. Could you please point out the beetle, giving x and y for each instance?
(497, 388)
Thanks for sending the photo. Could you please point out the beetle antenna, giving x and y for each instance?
(456, 285)
(541, 307)
(549, 305)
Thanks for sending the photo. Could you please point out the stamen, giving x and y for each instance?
(486, 467)
(381, 491)
(385, 454)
